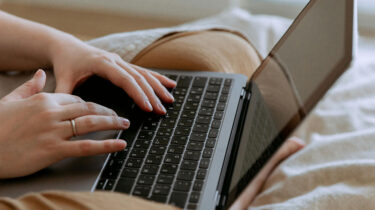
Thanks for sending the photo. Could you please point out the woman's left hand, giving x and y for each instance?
(74, 61)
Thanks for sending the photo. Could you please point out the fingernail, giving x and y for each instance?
(148, 106)
(125, 122)
(122, 142)
(169, 95)
(162, 108)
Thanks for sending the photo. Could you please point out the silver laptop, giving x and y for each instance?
(223, 128)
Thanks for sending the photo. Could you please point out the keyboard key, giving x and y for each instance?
(225, 89)
(191, 106)
(192, 155)
(203, 119)
(172, 158)
(201, 174)
(220, 106)
(157, 150)
(142, 144)
(130, 172)
(198, 136)
(211, 96)
(198, 185)
(216, 124)
(176, 149)
(223, 98)
(165, 131)
(142, 191)
(207, 153)
(169, 168)
(199, 82)
(180, 140)
(160, 189)
(215, 81)
(185, 122)
(121, 155)
(195, 145)
(109, 185)
(161, 140)
(211, 142)
(168, 123)
(138, 153)
(181, 185)
(178, 199)
(146, 179)
(182, 131)
(159, 198)
(213, 133)
(186, 175)
(165, 179)
(189, 164)
(228, 82)
(213, 88)
(150, 169)
(134, 163)
(184, 82)
(209, 103)
(146, 135)
(205, 162)
(124, 185)
(150, 126)
(194, 197)
(218, 115)
(190, 114)
(201, 128)
(206, 111)
(110, 173)
(154, 159)
(100, 184)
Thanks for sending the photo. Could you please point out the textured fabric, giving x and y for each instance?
(79, 201)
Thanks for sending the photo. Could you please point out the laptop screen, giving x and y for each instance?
(312, 54)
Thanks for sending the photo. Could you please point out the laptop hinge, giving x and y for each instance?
(234, 137)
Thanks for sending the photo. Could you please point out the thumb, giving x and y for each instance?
(29, 88)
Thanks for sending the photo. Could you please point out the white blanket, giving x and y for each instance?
(336, 170)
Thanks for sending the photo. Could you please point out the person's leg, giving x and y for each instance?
(218, 51)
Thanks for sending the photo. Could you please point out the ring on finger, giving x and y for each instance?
(74, 128)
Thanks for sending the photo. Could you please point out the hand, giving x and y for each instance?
(290, 147)
(35, 128)
(75, 61)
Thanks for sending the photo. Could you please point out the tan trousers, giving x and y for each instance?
(206, 50)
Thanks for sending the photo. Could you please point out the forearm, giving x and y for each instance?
(26, 45)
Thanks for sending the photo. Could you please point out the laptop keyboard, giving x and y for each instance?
(167, 157)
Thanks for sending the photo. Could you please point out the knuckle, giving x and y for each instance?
(84, 147)
(89, 122)
(41, 97)
(91, 107)
(138, 77)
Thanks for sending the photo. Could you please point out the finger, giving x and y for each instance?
(123, 79)
(159, 89)
(290, 147)
(169, 83)
(92, 147)
(76, 110)
(65, 99)
(91, 123)
(29, 88)
(142, 82)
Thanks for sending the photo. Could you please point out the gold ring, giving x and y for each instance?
(73, 123)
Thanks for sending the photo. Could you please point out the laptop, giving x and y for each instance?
(222, 128)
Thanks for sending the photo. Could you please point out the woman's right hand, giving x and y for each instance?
(35, 128)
